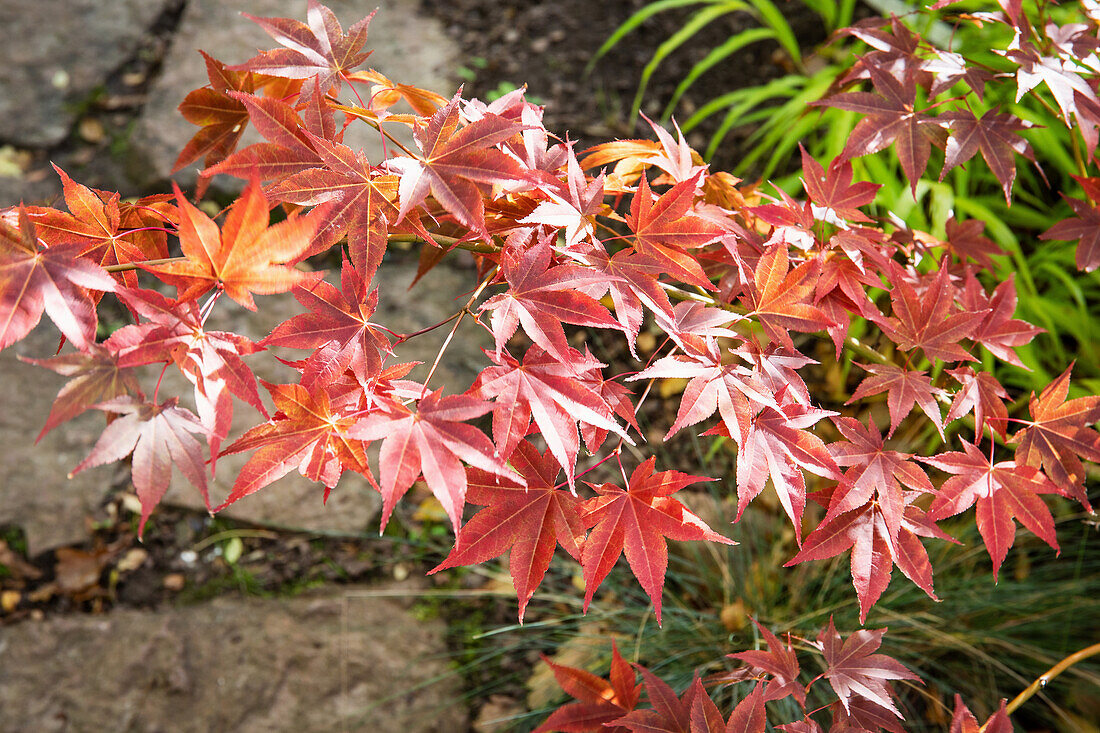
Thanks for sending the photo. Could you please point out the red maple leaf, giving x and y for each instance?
(309, 432)
(632, 280)
(664, 229)
(34, 279)
(778, 447)
(1002, 491)
(995, 135)
(221, 117)
(982, 393)
(873, 473)
(457, 164)
(96, 223)
(779, 662)
(669, 713)
(211, 360)
(95, 376)
(834, 191)
(749, 716)
(930, 321)
(340, 317)
(854, 669)
(550, 393)
(245, 257)
(890, 118)
(529, 520)
(289, 148)
(905, 388)
(599, 701)
(1059, 435)
(734, 390)
(1084, 227)
(431, 439)
(361, 202)
(875, 550)
(158, 436)
(998, 331)
(636, 521)
(317, 50)
(965, 239)
(541, 298)
(781, 298)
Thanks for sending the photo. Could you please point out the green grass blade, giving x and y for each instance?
(636, 20)
(775, 20)
(695, 24)
(717, 54)
(827, 9)
(752, 95)
(844, 16)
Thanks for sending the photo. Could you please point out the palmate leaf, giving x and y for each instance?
(636, 521)
(55, 280)
(309, 432)
(432, 439)
(1084, 227)
(665, 228)
(244, 257)
(1002, 491)
(529, 521)
(554, 395)
(95, 376)
(854, 669)
(541, 298)
(98, 221)
(875, 547)
(995, 135)
(455, 162)
(1060, 434)
(341, 319)
(317, 51)
(599, 701)
(891, 118)
(159, 437)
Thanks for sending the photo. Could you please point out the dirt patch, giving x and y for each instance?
(547, 45)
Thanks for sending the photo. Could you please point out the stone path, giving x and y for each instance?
(340, 660)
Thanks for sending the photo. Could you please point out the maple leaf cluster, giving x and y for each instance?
(628, 236)
(858, 675)
(909, 106)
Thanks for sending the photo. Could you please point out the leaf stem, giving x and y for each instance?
(126, 267)
(458, 321)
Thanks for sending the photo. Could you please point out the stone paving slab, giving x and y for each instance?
(408, 47)
(56, 53)
(34, 491)
(342, 660)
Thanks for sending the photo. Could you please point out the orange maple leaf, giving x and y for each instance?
(245, 256)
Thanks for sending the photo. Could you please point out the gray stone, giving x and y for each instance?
(56, 52)
(34, 491)
(408, 48)
(339, 661)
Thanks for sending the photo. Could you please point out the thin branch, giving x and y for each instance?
(1047, 676)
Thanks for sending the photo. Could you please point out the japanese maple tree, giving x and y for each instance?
(738, 283)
